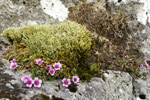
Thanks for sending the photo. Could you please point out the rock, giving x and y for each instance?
(55, 8)
(4, 41)
(4, 99)
(141, 88)
(21, 12)
(115, 85)
(118, 85)
(139, 12)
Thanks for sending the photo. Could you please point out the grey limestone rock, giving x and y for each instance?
(115, 85)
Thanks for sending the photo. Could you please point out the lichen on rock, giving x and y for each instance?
(55, 8)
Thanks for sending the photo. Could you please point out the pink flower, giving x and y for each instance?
(37, 82)
(147, 65)
(101, 72)
(26, 78)
(126, 56)
(13, 61)
(141, 65)
(13, 65)
(66, 82)
(75, 79)
(52, 71)
(48, 67)
(39, 61)
(29, 82)
(121, 66)
(57, 66)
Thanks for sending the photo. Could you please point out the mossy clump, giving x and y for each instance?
(67, 42)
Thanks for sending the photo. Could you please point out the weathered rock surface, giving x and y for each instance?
(139, 12)
(115, 85)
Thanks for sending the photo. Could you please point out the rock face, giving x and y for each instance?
(55, 8)
(21, 12)
(114, 86)
(139, 12)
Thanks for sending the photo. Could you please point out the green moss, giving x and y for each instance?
(1, 63)
(86, 76)
(95, 68)
(44, 97)
(67, 42)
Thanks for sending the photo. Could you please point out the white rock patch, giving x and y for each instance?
(121, 1)
(143, 15)
(138, 98)
(55, 8)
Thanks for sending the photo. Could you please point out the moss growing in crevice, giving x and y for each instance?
(67, 42)
(44, 97)
(1, 63)
(56, 98)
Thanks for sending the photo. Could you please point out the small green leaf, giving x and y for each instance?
(42, 69)
(80, 81)
(74, 69)
(72, 73)
(49, 77)
(62, 42)
(36, 73)
(59, 72)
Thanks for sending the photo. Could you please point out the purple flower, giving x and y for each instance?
(26, 78)
(147, 65)
(126, 56)
(57, 66)
(39, 61)
(121, 66)
(48, 67)
(37, 82)
(145, 62)
(13, 65)
(66, 82)
(101, 72)
(13, 61)
(52, 71)
(29, 82)
(141, 65)
(75, 79)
